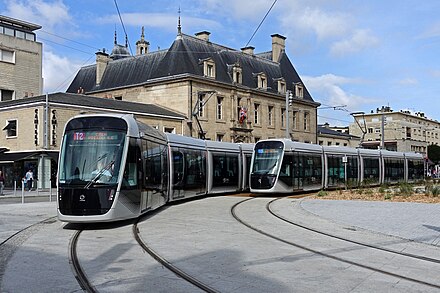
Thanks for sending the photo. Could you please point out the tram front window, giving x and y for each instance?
(91, 157)
(266, 164)
(267, 160)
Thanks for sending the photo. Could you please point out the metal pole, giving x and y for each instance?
(382, 131)
(287, 115)
(50, 190)
(22, 192)
(15, 187)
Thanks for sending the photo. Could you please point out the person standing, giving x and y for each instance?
(2, 183)
(29, 178)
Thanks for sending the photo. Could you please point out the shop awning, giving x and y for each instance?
(9, 157)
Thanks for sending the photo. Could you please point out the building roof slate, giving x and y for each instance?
(94, 102)
(185, 56)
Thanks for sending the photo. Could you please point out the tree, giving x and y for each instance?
(434, 153)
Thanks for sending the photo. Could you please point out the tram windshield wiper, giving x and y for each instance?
(100, 173)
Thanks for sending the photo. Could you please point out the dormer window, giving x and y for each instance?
(281, 86)
(299, 90)
(237, 74)
(209, 68)
(262, 81)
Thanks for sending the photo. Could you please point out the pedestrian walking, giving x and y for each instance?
(29, 178)
(2, 183)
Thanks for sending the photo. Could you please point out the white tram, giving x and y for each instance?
(112, 167)
(285, 166)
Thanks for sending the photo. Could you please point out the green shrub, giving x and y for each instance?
(428, 187)
(388, 196)
(405, 189)
(369, 192)
(383, 188)
(322, 193)
(435, 191)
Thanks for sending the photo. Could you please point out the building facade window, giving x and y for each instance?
(209, 68)
(299, 90)
(256, 113)
(237, 74)
(220, 136)
(283, 117)
(201, 106)
(295, 119)
(11, 128)
(169, 129)
(6, 95)
(306, 121)
(262, 81)
(281, 86)
(270, 115)
(219, 108)
(7, 56)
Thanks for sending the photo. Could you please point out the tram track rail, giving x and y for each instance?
(317, 252)
(178, 272)
(78, 271)
(401, 253)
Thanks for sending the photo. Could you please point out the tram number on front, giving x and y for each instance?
(79, 136)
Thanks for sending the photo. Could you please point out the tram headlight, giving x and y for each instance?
(110, 194)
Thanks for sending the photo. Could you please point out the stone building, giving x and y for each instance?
(403, 131)
(225, 94)
(336, 136)
(20, 59)
(34, 126)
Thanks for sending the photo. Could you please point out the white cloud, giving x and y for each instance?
(408, 81)
(328, 89)
(47, 14)
(431, 32)
(58, 72)
(361, 39)
(323, 24)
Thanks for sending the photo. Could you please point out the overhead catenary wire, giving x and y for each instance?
(258, 27)
(123, 26)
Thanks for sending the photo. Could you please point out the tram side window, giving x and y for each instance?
(307, 170)
(130, 178)
(195, 169)
(394, 170)
(225, 169)
(415, 169)
(352, 169)
(371, 170)
(178, 166)
(286, 170)
(154, 165)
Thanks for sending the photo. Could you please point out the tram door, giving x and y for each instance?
(155, 179)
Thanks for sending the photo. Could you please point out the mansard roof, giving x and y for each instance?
(96, 103)
(185, 57)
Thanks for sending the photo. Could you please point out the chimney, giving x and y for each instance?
(203, 36)
(101, 63)
(278, 46)
(248, 50)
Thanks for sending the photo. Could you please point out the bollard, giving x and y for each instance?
(15, 187)
(22, 192)
(50, 191)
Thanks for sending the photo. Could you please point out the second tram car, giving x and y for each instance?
(113, 167)
(285, 166)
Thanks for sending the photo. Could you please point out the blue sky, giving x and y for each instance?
(362, 54)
